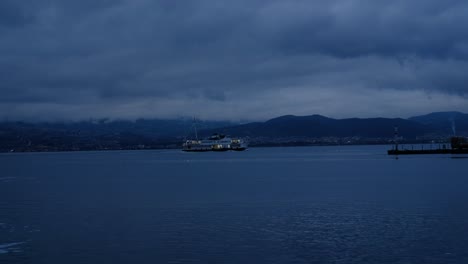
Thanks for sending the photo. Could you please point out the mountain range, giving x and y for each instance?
(156, 133)
(321, 126)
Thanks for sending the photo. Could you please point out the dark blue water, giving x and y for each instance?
(264, 205)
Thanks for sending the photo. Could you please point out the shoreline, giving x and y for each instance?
(277, 145)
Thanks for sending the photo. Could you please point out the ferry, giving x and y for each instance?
(217, 142)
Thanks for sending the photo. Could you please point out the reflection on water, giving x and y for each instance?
(264, 205)
(10, 247)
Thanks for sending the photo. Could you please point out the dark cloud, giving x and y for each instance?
(13, 15)
(231, 59)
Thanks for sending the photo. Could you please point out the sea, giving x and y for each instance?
(334, 204)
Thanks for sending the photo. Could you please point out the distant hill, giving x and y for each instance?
(144, 127)
(320, 126)
(97, 134)
(445, 122)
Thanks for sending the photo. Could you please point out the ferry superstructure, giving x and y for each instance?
(216, 142)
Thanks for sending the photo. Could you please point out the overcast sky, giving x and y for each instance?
(236, 60)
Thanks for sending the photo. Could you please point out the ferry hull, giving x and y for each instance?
(197, 150)
(239, 149)
(214, 150)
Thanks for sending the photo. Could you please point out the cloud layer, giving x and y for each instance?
(238, 60)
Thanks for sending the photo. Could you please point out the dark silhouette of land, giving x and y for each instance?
(281, 131)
